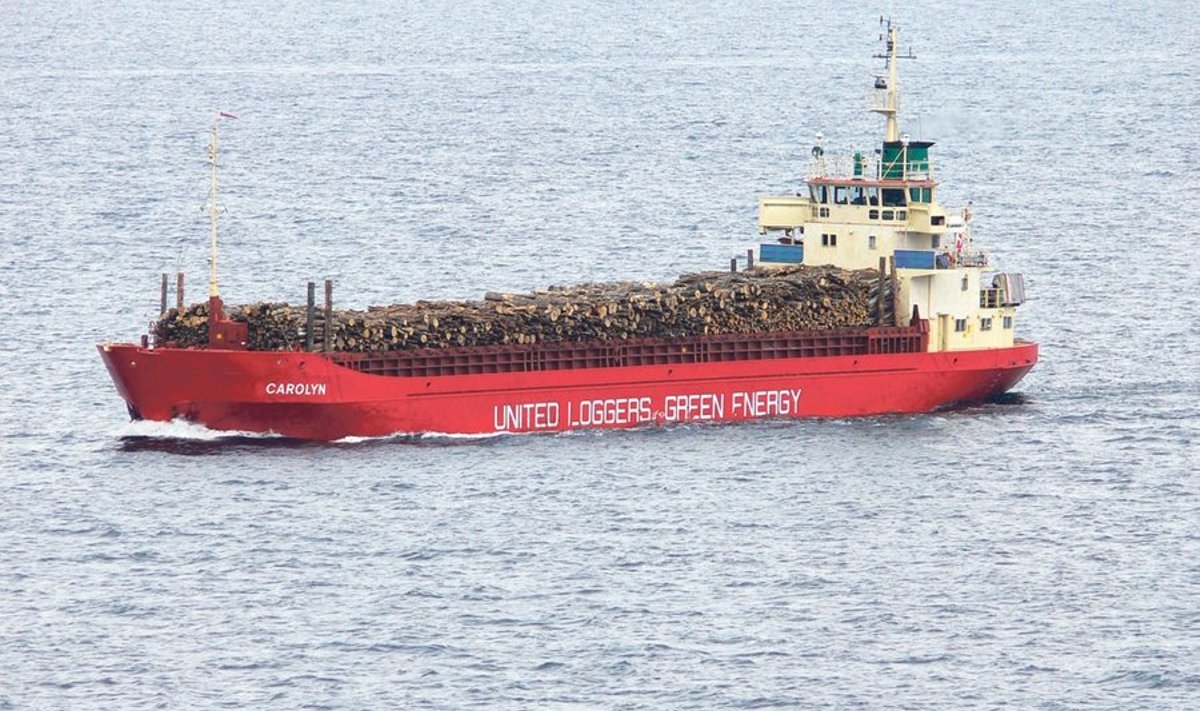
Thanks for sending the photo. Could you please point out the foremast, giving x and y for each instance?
(222, 332)
(213, 211)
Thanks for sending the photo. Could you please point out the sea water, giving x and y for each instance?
(1038, 552)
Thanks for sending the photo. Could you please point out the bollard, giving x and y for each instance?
(879, 292)
(328, 316)
(179, 291)
(162, 299)
(308, 324)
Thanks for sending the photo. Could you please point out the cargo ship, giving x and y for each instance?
(943, 337)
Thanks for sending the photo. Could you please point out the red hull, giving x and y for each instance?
(304, 395)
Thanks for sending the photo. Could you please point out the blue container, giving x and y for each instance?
(781, 253)
(914, 259)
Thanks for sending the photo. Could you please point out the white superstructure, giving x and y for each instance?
(883, 214)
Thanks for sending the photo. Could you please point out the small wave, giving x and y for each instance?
(917, 659)
(1011, 398)
(421, 592)
(1152, 679)
(411, 437)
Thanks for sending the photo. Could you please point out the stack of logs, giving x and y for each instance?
(753, 301)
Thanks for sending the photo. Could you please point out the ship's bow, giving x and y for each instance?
(120, 361)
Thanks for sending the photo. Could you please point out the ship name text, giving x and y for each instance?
(296, 388)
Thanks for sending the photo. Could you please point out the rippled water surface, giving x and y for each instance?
(1038, 553)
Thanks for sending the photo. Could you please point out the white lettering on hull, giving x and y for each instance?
(626, 411)
(766, 403)
(637, 410)
(527, 416)
(302, 389)
(695, 407)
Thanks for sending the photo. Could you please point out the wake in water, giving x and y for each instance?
(185, 437)
(186, 430)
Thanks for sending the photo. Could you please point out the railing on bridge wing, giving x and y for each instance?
(934, 259)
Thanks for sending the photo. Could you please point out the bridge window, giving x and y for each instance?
(841, 195)
(873, 196)
(893, 197)
(857, 196)
(920, 195)
(823, 193)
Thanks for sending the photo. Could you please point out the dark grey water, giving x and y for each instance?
(1040, 553)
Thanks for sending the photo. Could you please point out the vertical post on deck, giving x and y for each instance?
(162, 297)
(328, 315)
(749, 258)
(733, 264)
(879, 301)
(179, 290)
(895, 291)
(309, 316)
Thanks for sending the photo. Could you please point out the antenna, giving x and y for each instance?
(887, 90)
(213, 208)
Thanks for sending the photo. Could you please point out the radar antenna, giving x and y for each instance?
(887, 89)
(818, 153)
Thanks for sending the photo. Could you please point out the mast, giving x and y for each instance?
(887, 88)
(213, 207)
(222, 332)
(212, 211)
